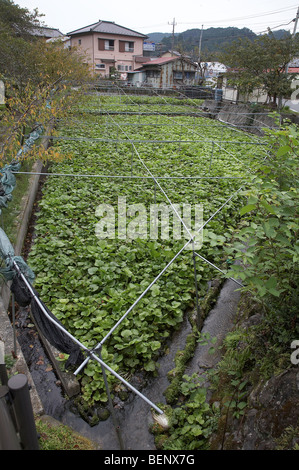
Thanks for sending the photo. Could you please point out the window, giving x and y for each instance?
(124, 68)
(177, 75)
(126, 46)
(100, 66)
(129, 47)
(190, 75)
(106, 44)
(79, 42)
(153, 73)
(109, 45)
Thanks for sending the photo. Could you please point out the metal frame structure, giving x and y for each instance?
(95, 353)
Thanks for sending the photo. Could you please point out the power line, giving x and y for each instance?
(257, 15)
(233, 35)
(275, 27)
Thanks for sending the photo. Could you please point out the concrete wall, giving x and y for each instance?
(231, 94)
(136, 78)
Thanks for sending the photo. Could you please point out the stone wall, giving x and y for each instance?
(243, 116)
(271, 420)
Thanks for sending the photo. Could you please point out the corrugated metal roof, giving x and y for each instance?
(293, 69)
(162, 60)
(108, 27)
(165, 60)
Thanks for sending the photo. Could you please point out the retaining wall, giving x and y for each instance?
(241, 115)
(7, 335)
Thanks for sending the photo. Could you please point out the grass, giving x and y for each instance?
(54, 436)
(11, 213)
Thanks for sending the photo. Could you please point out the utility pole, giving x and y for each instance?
(172, 43)
(294, 32)
(296, 22)
(287, 66)
(199, 47)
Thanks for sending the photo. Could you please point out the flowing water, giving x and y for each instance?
(134, 416)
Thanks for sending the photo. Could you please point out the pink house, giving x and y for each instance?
(109, 47)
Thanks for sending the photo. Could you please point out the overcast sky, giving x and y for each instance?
(157, 16)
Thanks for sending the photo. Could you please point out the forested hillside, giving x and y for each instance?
(214, 40)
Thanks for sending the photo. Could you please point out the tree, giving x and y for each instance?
(17, 21)
(16, 27)
(213, 40)
(38, 76)
(269, 227)
(261, 64)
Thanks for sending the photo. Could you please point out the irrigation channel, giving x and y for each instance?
(124, 302)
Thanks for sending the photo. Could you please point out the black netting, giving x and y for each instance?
(20, 291)
(57, 337)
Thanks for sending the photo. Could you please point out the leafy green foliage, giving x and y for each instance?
(213, 40)
(193, 421)
(17, 21)
(266, 248)
(261, 64)
(38, 78)
(90, 283)
(267, 243)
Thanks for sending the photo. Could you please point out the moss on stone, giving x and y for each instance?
(175, 376)
(183, 356)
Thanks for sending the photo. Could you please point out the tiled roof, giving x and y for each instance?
(108, 27)
(45, 31)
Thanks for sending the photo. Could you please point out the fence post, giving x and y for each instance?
(132, 156)
(213, 143)
(3, 371)
(2, 92)
(21, 402)
(8, 435)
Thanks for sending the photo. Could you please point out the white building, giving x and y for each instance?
(212, 70)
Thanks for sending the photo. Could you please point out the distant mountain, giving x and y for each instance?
(157, 37)
(280, 33)
(214, 40)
